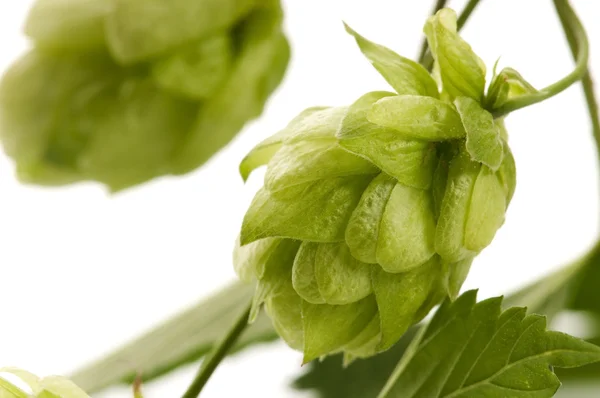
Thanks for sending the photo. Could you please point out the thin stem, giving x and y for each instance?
(427, 60)
(566, 13)
(466, 13)
(211, 362)
(439, 4)
(587, 83)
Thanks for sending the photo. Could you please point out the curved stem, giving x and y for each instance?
(427, 59)
(566, 14)
(423, 51)
(211, 362)
(587, 83)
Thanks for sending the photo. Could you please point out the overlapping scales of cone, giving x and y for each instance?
(123, 91)
(372, 213)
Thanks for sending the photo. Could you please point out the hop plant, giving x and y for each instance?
(372, 213)
(125, 91)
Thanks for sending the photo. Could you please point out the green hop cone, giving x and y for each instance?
(123, 91)
(372, 214)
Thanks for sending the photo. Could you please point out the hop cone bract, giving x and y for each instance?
(371, 214)
(123, 91)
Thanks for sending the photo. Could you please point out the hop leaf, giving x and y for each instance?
(384, 205)
(142, 89)
(493, 353)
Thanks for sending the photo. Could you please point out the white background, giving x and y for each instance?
(83, 272)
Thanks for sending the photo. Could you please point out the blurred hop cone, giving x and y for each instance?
(371, 214)
(123, 91)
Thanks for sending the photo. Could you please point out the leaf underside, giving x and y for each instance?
(180, 340)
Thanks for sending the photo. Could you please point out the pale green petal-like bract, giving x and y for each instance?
(327, 328)
(316, 211)
(484, 143)
(404, 75)
(362, 233)
(410, 161)
(461, 71)
(417, 117)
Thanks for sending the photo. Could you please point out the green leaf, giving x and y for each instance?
(140, 29)
(483, 139)
(461, 71)
(409, 161)
(51, 24)
(366, 377)
(316, 211)
(404, 75)
(492, 354)
(329, 327)
(590, 372)
(192, 334)
(421, 118)
(585, 295)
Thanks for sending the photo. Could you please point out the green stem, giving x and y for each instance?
(566, 14)
(466, 13)
(423, 51)
(587, 83)
(427, 59)
(211, 362)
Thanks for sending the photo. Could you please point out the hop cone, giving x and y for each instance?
(372, 213)
(123, 91)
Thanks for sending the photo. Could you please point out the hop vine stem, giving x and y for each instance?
(212, 361)
(586, 81)
(423, 51)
